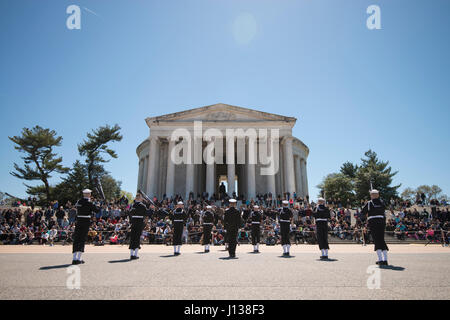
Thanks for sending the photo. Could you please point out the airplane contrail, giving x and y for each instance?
(90, 11)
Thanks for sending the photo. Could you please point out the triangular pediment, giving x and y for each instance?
(220, 112)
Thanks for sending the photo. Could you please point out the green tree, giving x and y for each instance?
(111, 187)
(349, 169)
(95, 147)
(337, 186)
(435, 192)
(71, 186)
(39, 161)
(379, 173)
(408, 194)
(127, 195)
(425, 189)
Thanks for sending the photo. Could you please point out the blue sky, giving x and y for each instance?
(351, 89)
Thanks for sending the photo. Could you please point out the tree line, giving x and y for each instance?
(353, 182)
(41, 162)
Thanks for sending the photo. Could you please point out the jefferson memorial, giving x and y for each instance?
(232, 165)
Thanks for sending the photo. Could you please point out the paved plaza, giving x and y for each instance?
(37, 272)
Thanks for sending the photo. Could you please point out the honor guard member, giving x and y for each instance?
(321, 215)
(207, 222)
(232, 221)
(284, 218)
(376, 220)
(256, 219)
(85, 208)
(179, 217)
(138, 213)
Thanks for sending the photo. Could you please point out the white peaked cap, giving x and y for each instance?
(321, 199)
(208, 207)
(256, 207)
(87, 191)
(285, 202)
(232, 200)
(180, 202)
(374, 191)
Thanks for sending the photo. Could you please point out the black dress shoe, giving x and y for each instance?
(81, 261)
(325, 257)
(385, 263)
(134, 257)
(379, 262)
(322, 257)
(176, 253)
(74, 262)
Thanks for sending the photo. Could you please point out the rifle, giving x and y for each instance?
(99, 189)
(147, 198)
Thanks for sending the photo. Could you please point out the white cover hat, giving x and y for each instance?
(374, 191)
(285, 202)
(232, 200)
(87, 191)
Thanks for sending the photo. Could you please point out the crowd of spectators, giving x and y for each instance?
(56, 222)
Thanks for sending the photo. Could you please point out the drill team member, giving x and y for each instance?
(256, 219)
(376, 220)
(321, 215)
(284, 218)
(207, 222)
(138, 213)
(178, 218)
(232, 221)
(85, 208)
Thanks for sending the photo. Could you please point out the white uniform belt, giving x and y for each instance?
(371, 217)
(207, 223)
(177, 220)
(83, 216)
(256, 222)
(137, 216)
(285, 220)
(321, 219)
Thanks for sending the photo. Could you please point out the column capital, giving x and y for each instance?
(287, 139)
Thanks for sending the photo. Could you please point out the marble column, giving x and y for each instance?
(298, 177)
(141, 173)
(251, 152)
(189, 159)
(271, 178)
(170, 177)
(153, 164)
(289, 166)
(304, 177)
(210, 175)
(231, 168)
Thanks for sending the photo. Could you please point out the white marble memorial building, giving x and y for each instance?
(159, 175)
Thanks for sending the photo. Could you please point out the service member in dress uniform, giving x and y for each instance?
(284, 218)
(376, 219)
(85, 208)
(138, 213)
(178, 218)
(207, 223)
(232, 221)
(256, 219)
(321, 214)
